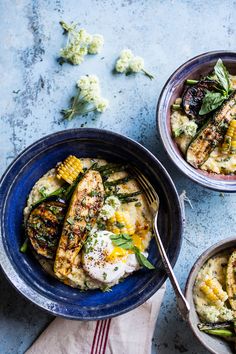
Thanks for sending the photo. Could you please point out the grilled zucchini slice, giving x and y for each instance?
(231, 280)
(81, 216)
(193, 97)
(43, 226)
(211, 134)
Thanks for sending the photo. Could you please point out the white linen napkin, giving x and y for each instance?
(126, 334)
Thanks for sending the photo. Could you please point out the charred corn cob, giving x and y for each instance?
(69, 169)
(230, 280)
(211, 135)
(119, 223)
(213, 291)
(229, 143)
(233, 142)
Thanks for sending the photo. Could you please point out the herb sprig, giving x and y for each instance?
(212, 99)
(125, 241)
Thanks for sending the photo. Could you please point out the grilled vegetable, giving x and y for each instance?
(213, 291)
(69, 169)
(229, 137)
(220, 332)
(231, 281)
(83, 210)
(220, 325)
(44, 225)
(211, 134)
(193, 97)
(119, 223)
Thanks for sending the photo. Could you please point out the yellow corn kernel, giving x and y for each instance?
(230, 132)
(233, 123)
(120, 224)
(69, 169)
(229, 137)
(119, 216)
(233, 147)
(112, 219)
(213, 291)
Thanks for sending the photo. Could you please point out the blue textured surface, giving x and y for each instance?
(25, 272)
(34, 88)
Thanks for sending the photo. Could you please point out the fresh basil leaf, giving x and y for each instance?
(122, 240)
(119, 242)
(211, 101)
(142, 259)
(126, 237)
(128, 245)
(222, 75)
(125, 241)
(115, 237)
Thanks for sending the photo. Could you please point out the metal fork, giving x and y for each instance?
(153, 202)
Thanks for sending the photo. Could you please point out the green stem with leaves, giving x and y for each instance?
(151, 77)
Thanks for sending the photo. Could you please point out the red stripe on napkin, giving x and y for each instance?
(100, 337)
(95, 336)
(106, 336)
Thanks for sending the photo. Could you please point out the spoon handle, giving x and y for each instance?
(183, 305)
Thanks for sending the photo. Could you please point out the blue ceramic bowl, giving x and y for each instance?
(193, 68)
(25, 273)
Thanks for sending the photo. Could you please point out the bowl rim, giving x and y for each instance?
(178, 160)
(39, 299)
(201, 260)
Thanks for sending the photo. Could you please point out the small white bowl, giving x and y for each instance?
(213, 344)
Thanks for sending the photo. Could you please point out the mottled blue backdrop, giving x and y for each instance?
(34, 88)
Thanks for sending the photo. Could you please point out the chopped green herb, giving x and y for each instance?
(93, 194)
(70, 220)
(71, 236)
(78, 218)
(83, 202)
(101, 225)
(24, 247)
(106, 288)
(88, 227)
(53, 209)
(119, 225)
(42, 192)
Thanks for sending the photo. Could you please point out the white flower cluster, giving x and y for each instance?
(88, 98)
(109, 208)
(128, 63)
(80, 43)
(90, 92)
